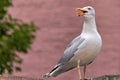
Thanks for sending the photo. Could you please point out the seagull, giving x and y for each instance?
(83, 49)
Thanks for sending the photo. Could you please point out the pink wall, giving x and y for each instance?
(59, 25)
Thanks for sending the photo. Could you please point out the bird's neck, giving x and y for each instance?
(89, 25)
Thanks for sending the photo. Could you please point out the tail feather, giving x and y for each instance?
(52, 72)
(47, 75)
(58, 69)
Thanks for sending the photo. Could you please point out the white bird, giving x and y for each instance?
(83, 49)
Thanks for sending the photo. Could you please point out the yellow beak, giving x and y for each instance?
(81, 11)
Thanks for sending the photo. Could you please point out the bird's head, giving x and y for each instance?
(87, 12)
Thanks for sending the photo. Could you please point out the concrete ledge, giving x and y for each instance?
(17, 78)
(108, 77)
(105, 77)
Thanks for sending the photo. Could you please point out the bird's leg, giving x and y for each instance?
(78, 67)
(84, 71)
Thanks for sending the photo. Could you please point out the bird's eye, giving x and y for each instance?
(89, 8)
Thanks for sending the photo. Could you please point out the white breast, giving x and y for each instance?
(88, 50)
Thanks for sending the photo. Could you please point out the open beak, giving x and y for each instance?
(81, 11)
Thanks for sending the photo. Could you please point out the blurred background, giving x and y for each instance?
(58, 25)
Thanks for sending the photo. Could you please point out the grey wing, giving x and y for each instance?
(70, 50)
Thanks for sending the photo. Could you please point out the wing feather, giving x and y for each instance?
(70, 50)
